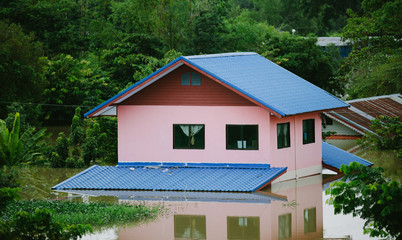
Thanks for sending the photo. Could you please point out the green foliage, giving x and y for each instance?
(8, 195)
(18, 148)
(59, 157)
(304, 58)
(77, 132)
(377, 75)
(40, 224)
(97, 214)
(374, 67)
(107, 138)
(127, 59)
(21, 65)
(365, 193)
(387, 134)
(74, 162)
(73, 82)
(90, 147)
(8, 177)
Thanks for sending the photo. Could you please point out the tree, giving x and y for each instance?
(17, 148)
(387, 134)
(365, 193)
(21, 65)
(374, 66)
(74, 82)
(304, 58)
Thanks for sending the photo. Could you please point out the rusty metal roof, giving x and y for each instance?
(362, 111)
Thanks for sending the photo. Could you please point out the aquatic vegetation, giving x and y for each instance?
(96, 214)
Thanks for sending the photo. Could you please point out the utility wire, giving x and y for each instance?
(46, 104)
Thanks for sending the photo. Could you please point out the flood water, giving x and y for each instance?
(288, 210)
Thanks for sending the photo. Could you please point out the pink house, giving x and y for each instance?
(231, 111)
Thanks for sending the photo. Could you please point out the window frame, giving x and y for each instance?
(189, 145)
(278, 136)
(242, 136)
(194, 79)
(308, 132)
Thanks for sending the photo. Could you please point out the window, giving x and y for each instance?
(285, 226)
(327, 121)
(189, 227)
(190, 78)
(308, 131)
(188, 136)
(283, 134)
(309, 220)
(243, 137)
(243, 228)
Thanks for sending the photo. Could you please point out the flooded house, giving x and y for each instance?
(231, 122)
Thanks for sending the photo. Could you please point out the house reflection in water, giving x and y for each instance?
(288, 210)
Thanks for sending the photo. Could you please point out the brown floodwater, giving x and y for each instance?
(289, 210)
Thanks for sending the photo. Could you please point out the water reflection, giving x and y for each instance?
(288, 210)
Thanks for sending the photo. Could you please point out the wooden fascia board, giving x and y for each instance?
(331, 168)
(270, 181)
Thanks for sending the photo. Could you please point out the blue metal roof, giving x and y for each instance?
(140, 176)
(335, 157)
(267, 82)
(258, 78)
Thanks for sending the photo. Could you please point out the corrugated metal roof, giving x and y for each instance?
(252, 75)
(182, 196)
(267, 82)
(334, 157)
(140, 176)
(337, 41)
(363, 110)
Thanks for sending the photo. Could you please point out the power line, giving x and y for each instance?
(47, 104)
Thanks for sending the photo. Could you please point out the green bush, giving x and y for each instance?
(40, 225)
(74, 162)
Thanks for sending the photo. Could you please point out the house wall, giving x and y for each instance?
(340, 129)
(145, 134)
(306, 158)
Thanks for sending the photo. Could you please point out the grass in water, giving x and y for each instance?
(95, 214)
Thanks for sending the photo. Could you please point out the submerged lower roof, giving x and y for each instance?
(174, 177)
(181, 196)
(333, 157)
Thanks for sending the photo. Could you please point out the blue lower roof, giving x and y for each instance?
(171, 177)
(334, 157)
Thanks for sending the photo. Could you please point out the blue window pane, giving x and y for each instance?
(196, 79)
(185, 79)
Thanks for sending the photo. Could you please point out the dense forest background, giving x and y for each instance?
(56, 55)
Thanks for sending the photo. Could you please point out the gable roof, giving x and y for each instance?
(358, 117)
(248, 74)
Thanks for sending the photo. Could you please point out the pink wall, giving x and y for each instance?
(298, 155)
(145, 134)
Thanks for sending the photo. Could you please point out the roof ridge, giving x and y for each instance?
(218, 55)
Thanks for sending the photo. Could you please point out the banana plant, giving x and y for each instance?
(17, 148)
